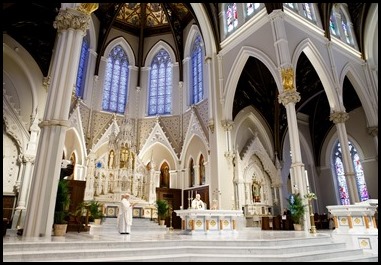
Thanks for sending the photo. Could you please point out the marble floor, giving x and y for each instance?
(109, 235)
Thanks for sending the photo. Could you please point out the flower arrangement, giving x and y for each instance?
(310, 196)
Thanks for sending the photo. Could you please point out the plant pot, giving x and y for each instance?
(59, 229)
(297, 227)
(97, 221)
(162, 222)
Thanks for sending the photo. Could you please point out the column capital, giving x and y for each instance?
(289, 96)
(71, 19)
(28, 158)
(339, 117)
(373, 130)
(227, 125)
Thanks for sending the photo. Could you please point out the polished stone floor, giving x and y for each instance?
(111, 234)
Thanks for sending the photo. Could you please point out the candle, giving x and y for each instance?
(191, 193)
(305, 171)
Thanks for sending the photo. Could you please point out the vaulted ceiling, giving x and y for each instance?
(31, 24)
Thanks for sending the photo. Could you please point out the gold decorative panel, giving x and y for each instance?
(364, 243)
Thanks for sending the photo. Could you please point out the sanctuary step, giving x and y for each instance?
(172, 246)
(138, 225)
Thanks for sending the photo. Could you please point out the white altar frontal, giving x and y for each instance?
(355, 224)
(209, 221)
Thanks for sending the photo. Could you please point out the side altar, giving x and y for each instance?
(205, 221)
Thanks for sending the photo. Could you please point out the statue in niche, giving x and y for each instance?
(164, 177)
(111, 160)
(256, 191)
(124, 157)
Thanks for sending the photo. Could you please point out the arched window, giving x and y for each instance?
(231, 16)
(197, 71)
(339, 23)
(160, 89)
(116, 81)
(339, 172)
(305, 10)
(82, 67)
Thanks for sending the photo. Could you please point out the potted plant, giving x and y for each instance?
(96, 211)
(61, 211)
(162, 210)
(297, 210)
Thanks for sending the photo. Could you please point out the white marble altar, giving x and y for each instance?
(205, 221)
(356, 224)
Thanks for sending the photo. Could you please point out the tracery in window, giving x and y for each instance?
(82, 68)
(116, 81)
(160, 89)
(197, 71)
(341, 178)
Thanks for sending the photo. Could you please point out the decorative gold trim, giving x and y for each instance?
(288, 78)
(88, 8)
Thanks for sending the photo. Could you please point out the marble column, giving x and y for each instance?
(339, 119)
(71, 25)
(288, 96)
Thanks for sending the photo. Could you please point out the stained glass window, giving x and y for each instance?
(160, 90)
(307, 10)
(360, 180)
(251, 7)
(116, 81)
(231, 16)
(341, 179)
(82, 67)
(197, 71)
(344, 25)
(332, 24)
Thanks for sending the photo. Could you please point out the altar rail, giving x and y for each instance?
(205, 221)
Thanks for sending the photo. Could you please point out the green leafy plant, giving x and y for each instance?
(95, 209)
(296, 207)
(61, 212)
(162, 209)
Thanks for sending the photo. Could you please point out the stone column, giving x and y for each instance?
(27, 162)
(71, 25)
(288, 96)
(339, 119)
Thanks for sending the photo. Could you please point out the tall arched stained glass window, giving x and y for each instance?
(82, 67)
(197, 71)
(339, 171)
(360, 180)
(341, 25)
(231, 15)
(116, 81)
(160, 90)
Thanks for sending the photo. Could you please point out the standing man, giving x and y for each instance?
(197, 203)
(125, 215)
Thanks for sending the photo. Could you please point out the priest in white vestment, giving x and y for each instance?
(125, 215)
(197, 203)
